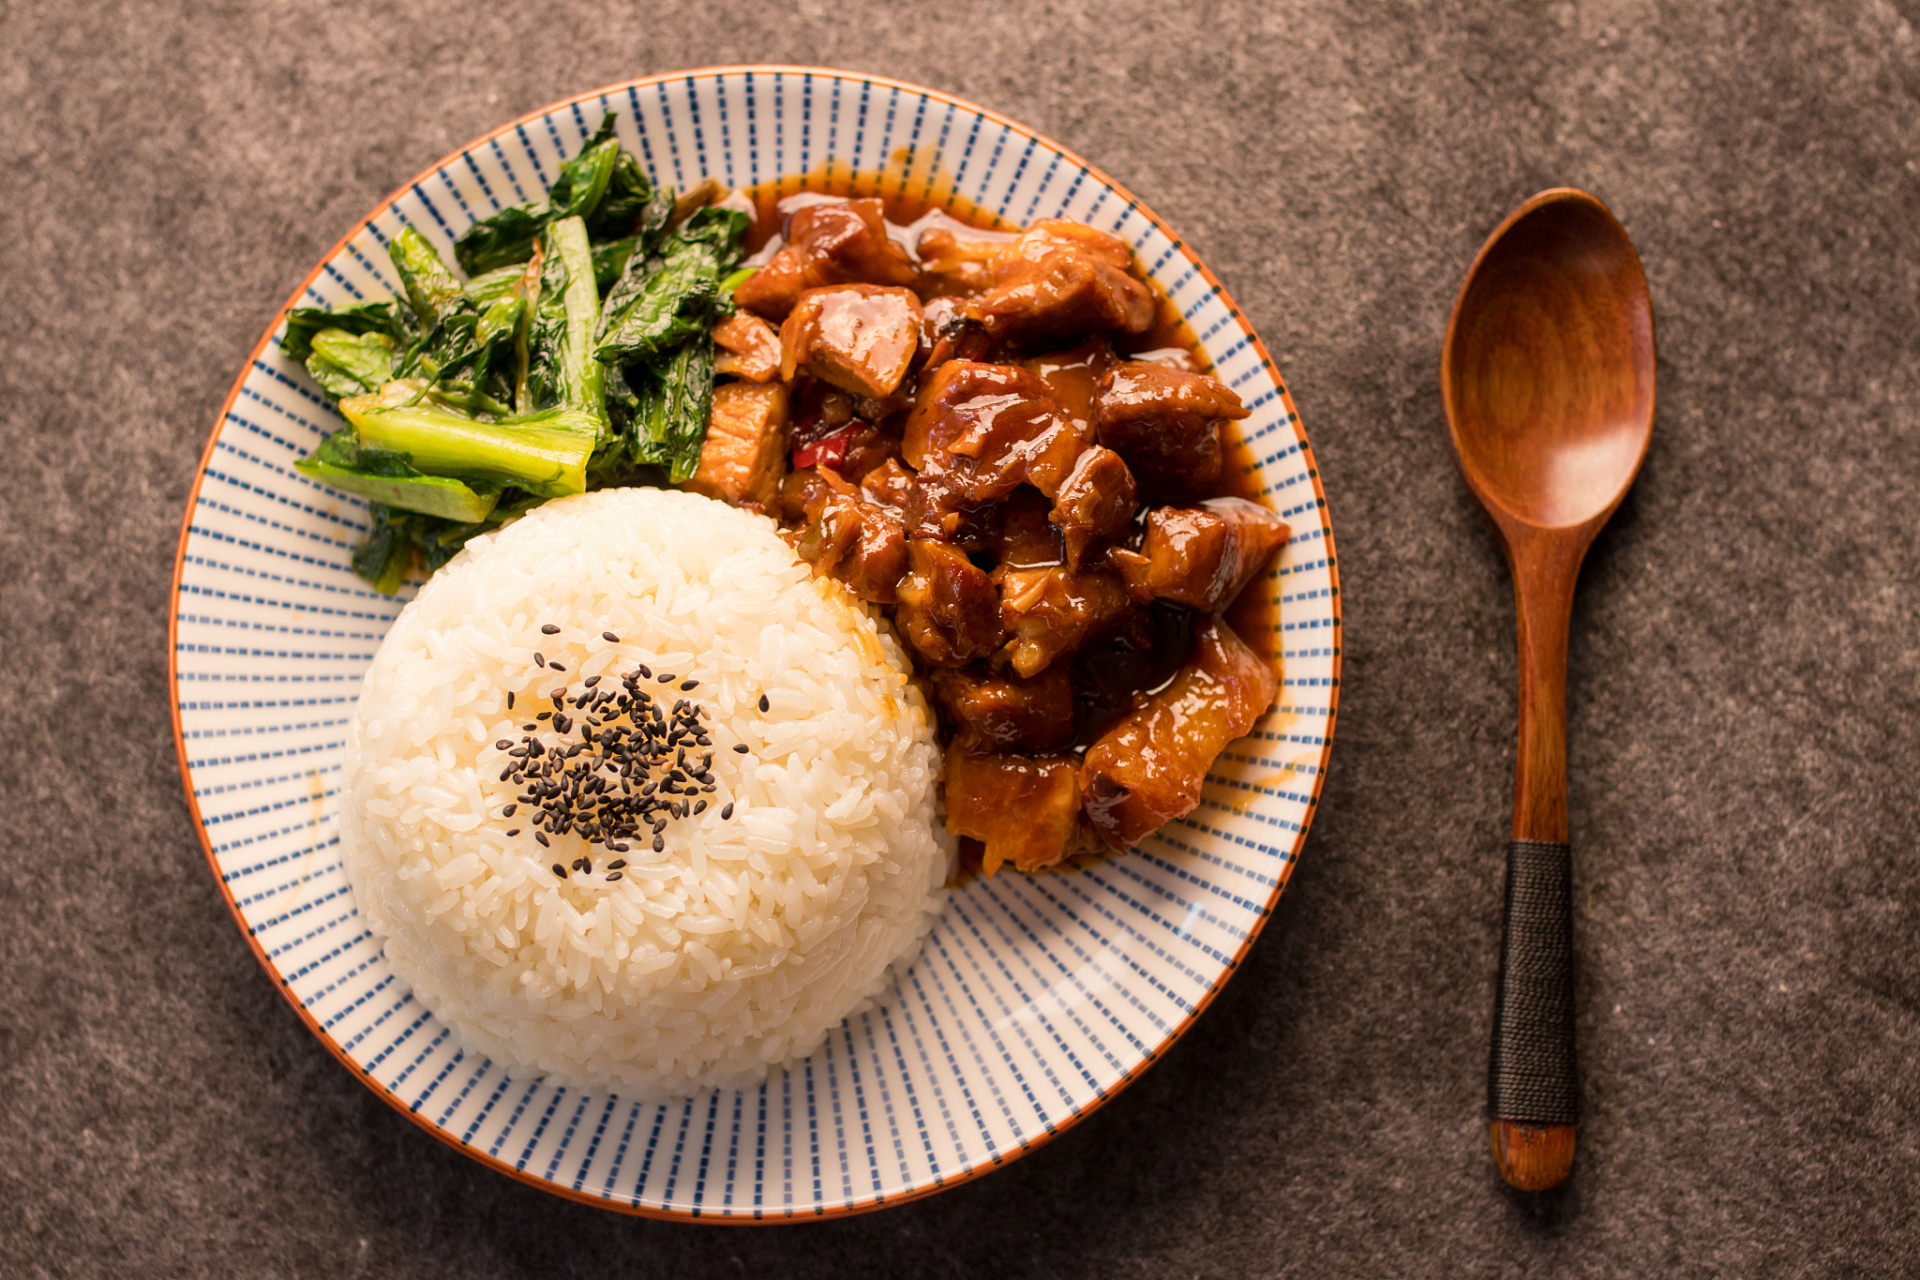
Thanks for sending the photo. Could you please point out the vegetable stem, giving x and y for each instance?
(545, 453)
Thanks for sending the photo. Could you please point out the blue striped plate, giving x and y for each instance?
(1035, 1000)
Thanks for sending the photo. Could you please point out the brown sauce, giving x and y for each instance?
(908, 192)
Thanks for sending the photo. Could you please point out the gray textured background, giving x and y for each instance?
(1743, 713)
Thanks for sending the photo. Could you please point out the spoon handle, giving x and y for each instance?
(1532, 1090)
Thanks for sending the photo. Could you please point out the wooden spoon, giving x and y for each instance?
(1547, 374)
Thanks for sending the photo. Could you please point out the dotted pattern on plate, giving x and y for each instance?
(1035, 998)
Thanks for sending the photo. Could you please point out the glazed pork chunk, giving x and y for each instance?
(1166, 424)
(857, 542)
(1095, 503)
(858, 337)
(838, 242)
(1004, 712)
(1062, 280)
(1201, 556)
(949, 611)
(1147, 769)
(979, 431)
(748, 348)
(1025, 809)
(745, 453)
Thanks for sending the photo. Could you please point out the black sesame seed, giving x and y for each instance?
(549, 630)
(539, 659)
(643, 672)
(514, 832)
(613, 877)
(556, 666)
(591, 681)
(560, 871)
(701, 807)
(617, 863)
(609, 637)
(506, 773)
(742, 747)
(667, 678)
(659, 844)
(544, 715)
(764, 704)
(504, 743)
(726, 812)
(508, 811)
(509, 699)
(541, 836)
(579, 863)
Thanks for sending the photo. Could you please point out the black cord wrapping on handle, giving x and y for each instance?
(1531, 1077)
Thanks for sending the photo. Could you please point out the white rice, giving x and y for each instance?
(746, 940)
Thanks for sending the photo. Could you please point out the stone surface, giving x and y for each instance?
(1744, 672)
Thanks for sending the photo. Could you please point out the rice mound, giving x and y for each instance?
(747, 939)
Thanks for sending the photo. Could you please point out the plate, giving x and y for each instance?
(1035, 1000)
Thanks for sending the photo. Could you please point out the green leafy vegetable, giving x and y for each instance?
(578, 349)
(674, 303)
(562, 368)
(502, 240)
(582, 181)
(633, 205)
(602, 185)
(610, 260)
(430, 287)
(544, 453)
(348, 364)
(496, 284)
(389, 478)
(390, 318)
(674, 408)
(660, 304)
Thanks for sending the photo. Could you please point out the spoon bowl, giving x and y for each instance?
(1548, 367)
(1547, 374)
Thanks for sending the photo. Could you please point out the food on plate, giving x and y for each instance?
(578, 354)
(1000, 440)
(638, 802)
(985, 437)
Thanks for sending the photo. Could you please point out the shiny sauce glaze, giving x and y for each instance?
(1084, 706)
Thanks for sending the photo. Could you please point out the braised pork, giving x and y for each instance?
(1095, 503)
(1201, 556)
(1025, 808)
(970, 453)
(858, 337)
(1050, 612)
(1003, 712)
(1148, 767)
(749, 349)
(840, 242)
(981, 430)
(1060, 280)
(745, 453)
(949, 611)
(857, 542)
(1166, 424)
